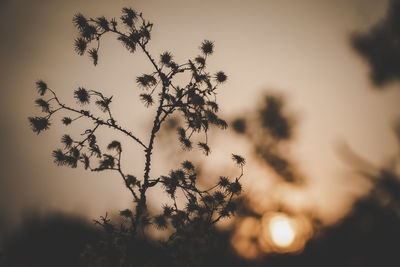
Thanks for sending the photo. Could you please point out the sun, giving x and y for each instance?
(282, 232)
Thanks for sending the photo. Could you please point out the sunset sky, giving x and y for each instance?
(297, 49)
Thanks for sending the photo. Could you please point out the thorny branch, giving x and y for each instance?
(195, 101)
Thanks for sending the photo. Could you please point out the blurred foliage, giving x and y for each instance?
(380, 47)
(268, 129)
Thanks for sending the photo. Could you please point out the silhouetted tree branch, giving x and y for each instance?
(196, 101)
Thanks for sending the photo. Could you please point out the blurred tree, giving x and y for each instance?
(268, 128)
(380, 47)
(195, 101)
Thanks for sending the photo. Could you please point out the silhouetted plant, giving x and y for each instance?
(196, 101)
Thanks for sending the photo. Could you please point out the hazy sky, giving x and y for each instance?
(297, 48)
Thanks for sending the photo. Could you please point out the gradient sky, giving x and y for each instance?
(297, 48)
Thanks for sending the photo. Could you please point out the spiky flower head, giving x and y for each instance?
(222, 124)
(207, 47)
(146, 80)
(201, 61)
(80, 46)
(128, 43)
(239, 160)
(181, 132)
(67, 140)
(129, 12)
(104, 104)
(41, 86)
(165, 58)
(94, 55)
(130, 180)
(103, 23)
(187, 165)
(59, 157)
(235, 187)
(43, 104)
(39, 124)
(219, 197)
(223, 181)
(147, 99)
(115, 145)
(167, 210)
(66, 121)
(89, 32)
(160, 221)
(204, 147)
(82, 95)
(129, 16)
(220, 77)
(186, 143)
(80, 21)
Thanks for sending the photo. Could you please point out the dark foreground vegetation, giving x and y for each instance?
(369, 236)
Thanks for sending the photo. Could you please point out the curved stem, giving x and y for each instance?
(98, 120)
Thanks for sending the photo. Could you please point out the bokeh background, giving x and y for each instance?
(318, 60)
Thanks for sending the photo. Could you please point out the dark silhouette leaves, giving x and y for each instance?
(129, 16)
(160, 221)
(80, 21)
(204, 147)
(41, 87)
(146, 80)
(103, 23)
(187, 165)
(195, 101)
(115, 145)
(43, 104)
(147, 99)
(39, 124)
(80, 45)
(67, 140)
(93, 54)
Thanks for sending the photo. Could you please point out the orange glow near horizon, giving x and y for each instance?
(282, 232)
(275, 232)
